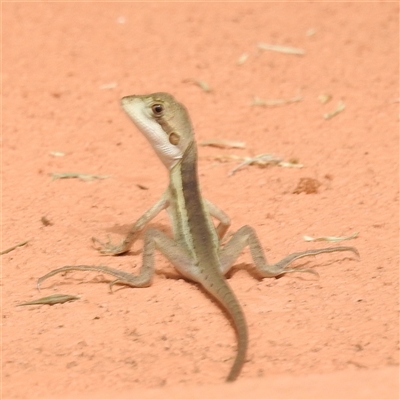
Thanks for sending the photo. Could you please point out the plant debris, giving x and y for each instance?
(142, 187)
(307, 186)
(324, 98)
(257, 101)
(13, 247)
(223, 144)
(45, 221)
(51, 300)
(78, 175)
(311, 32)
(242, 59)
(281, 49)
(108, 86)
(201, 84)
(57, 153)
(330, 238)
(340, 107)
(264, 160)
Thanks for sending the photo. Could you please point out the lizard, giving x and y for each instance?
(196, 248)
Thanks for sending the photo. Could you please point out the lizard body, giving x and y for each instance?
(195, 248)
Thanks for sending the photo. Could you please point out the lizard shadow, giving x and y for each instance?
(122, 231)
(253, 272)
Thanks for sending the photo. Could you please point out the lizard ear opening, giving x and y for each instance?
(174, 138)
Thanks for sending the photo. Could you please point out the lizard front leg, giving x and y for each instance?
(224, 220)
(246, 236)
(134, 232)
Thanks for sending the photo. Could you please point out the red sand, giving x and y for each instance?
(333, 337)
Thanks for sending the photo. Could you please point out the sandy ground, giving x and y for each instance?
(65, 67)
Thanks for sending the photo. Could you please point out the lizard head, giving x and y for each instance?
(164, 122)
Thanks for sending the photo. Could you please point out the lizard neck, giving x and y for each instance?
(189, 177)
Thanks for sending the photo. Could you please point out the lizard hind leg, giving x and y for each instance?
(246, 236)
(142, 280)
(153, 239)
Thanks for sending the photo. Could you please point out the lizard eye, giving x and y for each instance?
(157, 109)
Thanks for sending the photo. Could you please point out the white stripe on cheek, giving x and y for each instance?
(141, 116)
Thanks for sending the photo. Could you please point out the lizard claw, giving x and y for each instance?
(108, 247)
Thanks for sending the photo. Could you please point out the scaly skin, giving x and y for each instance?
(195, 247)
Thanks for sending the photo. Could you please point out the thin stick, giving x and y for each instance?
(14, 247)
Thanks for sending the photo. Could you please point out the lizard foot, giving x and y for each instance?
(108, 247)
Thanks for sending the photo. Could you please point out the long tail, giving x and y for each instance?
(225, 296)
